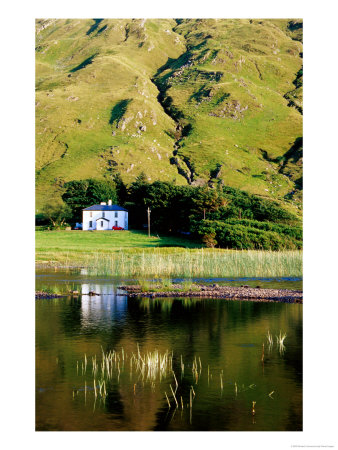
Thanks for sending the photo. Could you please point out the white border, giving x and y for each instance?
(17, 187)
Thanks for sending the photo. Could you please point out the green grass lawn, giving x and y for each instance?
(54, 245)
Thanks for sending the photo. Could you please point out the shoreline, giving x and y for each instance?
(225, 292)
(46, 296)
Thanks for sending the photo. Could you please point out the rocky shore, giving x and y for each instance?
(216, 291)
(46, 295)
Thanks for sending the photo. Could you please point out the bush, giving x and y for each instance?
(209, 240)
(294, 232)
(244, 205)
(242, 236)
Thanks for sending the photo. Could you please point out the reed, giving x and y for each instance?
(175, 382)
(269, 339)
(178, 262)
(147, 369)
(202, 263)
(52, 290)
(195, 370)
(281, 338)
(172, 391)
(168, 400)
(182, 367)
(280, 342)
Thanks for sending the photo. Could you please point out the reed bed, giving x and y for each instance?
(144, 368)
(147, 371)
(191, 263)
(150, 366)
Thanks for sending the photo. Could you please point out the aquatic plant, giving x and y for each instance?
(123, 259)
(198, 263)
(253, 407)
(172, 391)
(53, 289)
(270, 339)
(147, 370)
(167, 399)
(280, 342)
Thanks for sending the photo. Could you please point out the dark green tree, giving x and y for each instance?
(57, 212)
(121, 189)
(80, 194)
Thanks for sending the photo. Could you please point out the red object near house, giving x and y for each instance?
(117, 228)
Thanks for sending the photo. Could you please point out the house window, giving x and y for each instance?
(116, 223)
(116, 214)
(90, 224)
(103, 214)
(101, 223)
(91, 213)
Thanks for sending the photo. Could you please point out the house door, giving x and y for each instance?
(116, 223)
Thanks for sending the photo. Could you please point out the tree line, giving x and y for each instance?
(221, 216)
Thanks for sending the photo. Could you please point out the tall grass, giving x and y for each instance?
(130, 254)
(192, 263)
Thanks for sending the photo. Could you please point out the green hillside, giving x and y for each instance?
(187, 101)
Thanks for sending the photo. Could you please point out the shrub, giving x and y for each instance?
(242, 236)
(209, 240)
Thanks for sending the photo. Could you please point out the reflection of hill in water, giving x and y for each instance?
(226, 335)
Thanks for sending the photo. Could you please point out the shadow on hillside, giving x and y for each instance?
(84, 63)
(119, 110)
(94, 26)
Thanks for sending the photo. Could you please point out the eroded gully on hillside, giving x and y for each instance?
(183, 127)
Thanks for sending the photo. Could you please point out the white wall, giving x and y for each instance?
(122, 219)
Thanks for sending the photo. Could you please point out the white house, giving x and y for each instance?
(104, 217)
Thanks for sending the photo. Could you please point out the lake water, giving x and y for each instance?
(211, 351)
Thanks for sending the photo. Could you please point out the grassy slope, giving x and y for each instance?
(97, 108)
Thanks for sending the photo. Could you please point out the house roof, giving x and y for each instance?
(105, 208)
(101, 218)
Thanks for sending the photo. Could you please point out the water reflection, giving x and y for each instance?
(224, 337)
(105, 303)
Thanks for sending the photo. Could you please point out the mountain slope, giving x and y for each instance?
(188, 101)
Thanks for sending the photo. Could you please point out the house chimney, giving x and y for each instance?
(103, 203)
(109, 202)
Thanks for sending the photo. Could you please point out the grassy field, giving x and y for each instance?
(131, 253)
(87, 242)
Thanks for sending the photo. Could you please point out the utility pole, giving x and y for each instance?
(204, 213)
(148, 211)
